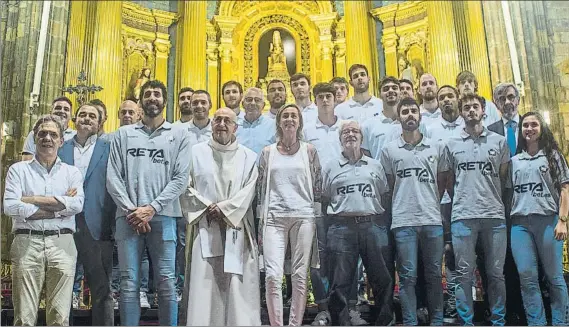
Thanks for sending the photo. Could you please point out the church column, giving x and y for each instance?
(162, 51)
(358, 37)
(389, 38)
(324, 24)
(477, 46)
(442, 42)
(212, 55)
(192, 27)
(500, 67)
(75, 45)
(340, 50)
(106, 66)
(226, 26)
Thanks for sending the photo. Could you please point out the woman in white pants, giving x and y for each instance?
(289, 190)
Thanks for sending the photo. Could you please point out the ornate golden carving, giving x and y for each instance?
(137, 16)
(270, 20)
(137, 55)
(242, 7)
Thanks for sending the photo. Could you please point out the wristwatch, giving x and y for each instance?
(564, 218)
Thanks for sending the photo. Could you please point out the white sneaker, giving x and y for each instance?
(75, 301)
(144, 301)
(115, 302)
(356, 318)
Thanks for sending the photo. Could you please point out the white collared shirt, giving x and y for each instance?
(352, 110)
(269, 114)
(30, 178)
(30, 143)
(258, 134)
(517, 120)
(196, 134)
(82, 154)
(310, 114)
(491, 114)
(326, 139)
(377, 132)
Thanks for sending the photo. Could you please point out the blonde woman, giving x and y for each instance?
(289, 190)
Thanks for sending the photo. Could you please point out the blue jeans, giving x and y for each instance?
(408, 241)
(493, 238)
(533, 242)
(161, 243)
(346, 240)
(144, 272)
(79, 275)
(180, 253)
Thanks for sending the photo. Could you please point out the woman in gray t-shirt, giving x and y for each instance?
(540, 205)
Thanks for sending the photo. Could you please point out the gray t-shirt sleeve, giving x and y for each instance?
(383, 186)
(386, 161)
(29, 144)
(116, 183)
(179, 181)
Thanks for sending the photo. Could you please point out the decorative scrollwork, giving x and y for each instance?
(270, 20)
(240, 7)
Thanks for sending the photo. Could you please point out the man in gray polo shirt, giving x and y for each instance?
(353, 185)
(478, 159)
(412, 165)
(148, 170)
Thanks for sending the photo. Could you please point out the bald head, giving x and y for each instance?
(129, 113)
(428, 87)
(224, 125)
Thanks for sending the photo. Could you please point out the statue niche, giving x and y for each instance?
(278, 47)
(135, 84)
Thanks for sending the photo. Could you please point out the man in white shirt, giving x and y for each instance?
(60, 107)
(342, 89)
(428, 90)
(199, 127)
(232, 93)
(300, 88)
(42, 197)
(466, 83)
(185, 104)
(276, 95)
(90, 154)
(255, 130)
(406, 88)
(362, 105)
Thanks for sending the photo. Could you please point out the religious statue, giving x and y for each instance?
(405, 70)
(144, 77)
(277, 59)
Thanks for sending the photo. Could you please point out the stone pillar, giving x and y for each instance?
(226, 25)
(212, 55)
(324, 24)
(442, 42)
(340, 68)
(75, 45)
(192, 29)
(162, 48)
(477, 47)
(106, 66)
(389, 41)
(358, 37)
(497, 42)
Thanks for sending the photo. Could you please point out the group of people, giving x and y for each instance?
(311, 187)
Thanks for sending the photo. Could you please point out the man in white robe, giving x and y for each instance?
(223, 269)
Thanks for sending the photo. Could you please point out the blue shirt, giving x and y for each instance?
(258, 134)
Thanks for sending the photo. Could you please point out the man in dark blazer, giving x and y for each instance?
(93, 236)
(507, 98)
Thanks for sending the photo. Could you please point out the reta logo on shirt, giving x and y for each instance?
(156, 155)
(364, 188)
(484, 167)
(536, 189)
(422, 174)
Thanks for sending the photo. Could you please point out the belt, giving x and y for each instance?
(44, 232)
(356, 219)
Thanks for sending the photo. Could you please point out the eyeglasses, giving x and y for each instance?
(251, 100)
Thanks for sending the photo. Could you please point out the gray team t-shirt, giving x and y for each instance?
(414, 169)
(534, 190)
(476, 162)
(354, 190)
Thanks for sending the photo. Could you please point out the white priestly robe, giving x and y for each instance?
(222, 271)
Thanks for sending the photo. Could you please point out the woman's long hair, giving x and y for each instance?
(299, 131)
(546, 142)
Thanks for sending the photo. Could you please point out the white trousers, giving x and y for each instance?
(278, 232)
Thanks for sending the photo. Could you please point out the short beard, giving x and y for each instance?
(151, 113)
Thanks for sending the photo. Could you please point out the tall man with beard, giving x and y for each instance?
(300, 88)
(412, 165)
(276, 95)
(428, 90)
(362, 106)
(90, 154)
(232, 93)
(60, 107)
(478, 160)
(148, 170)
(224, 268)
(185, 104)
(467, 83)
